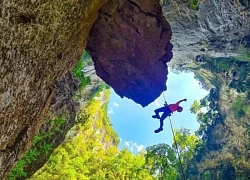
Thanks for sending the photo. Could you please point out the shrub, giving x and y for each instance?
(39, 147)
(79, 74)
(239, 107)
(194, 4)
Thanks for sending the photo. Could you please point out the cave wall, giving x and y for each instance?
(215, 28)
(53, 132)
(40, 42)
(224, 153)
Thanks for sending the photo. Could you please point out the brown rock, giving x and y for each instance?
(62, 105)
(130, 45)
(40, 42)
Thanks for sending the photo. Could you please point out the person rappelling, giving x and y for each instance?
(167, 110)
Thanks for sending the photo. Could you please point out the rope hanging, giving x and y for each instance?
(177, 149)
(182, 171)
(164, 97)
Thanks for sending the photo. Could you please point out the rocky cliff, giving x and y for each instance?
(58, 120)
(204, 38)
(225, 126)
(214, 28)
(42, 40)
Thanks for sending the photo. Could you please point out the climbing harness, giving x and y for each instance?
(182, 171)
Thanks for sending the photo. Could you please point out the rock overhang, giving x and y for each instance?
(130, 46)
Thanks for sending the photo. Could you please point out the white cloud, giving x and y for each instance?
(157, 103)
(111, 111)
(140, 148)
(116, 104)
(133, 146)
(127, 143)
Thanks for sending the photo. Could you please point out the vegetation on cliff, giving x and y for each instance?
(224, 125)
(41, 145)
(194, 4)
(58, 121)
(78, 71)
(91, 151)
(217, 151)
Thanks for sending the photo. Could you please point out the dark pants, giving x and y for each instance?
(166, 112)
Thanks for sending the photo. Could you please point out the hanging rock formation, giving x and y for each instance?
(130, 46)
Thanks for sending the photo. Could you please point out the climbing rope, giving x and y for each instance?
(182, 171)
(164, 97)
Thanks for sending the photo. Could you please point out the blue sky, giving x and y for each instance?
(135, 125)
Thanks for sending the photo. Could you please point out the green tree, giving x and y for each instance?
(186, 143)
(161, 161)
(195, 107)
(93, 153)
(239, 107)
(78, 72)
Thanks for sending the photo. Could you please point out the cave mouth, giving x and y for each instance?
(134, 123)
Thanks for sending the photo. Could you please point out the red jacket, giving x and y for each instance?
(173, 107)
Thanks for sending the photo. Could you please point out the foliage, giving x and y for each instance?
(82, 117)
(18, 171)
(241, 80)
(219, 156)
(194, 4)
(227, 67)
(200, 79)
(162, 162)
(57, 123)
(79, 74)
(186, 142)
(195, 107)
(98, 89)
(245, 57)
(206, 119)
(239, 107)
(204, 102)
(39, 147)
(93, 153)
(220, 64)
(244, 53)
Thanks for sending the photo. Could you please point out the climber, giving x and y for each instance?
(167, 111)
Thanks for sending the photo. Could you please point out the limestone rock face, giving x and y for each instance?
(216, 28)
(40, 42)
(62, 105)
(130, 46)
